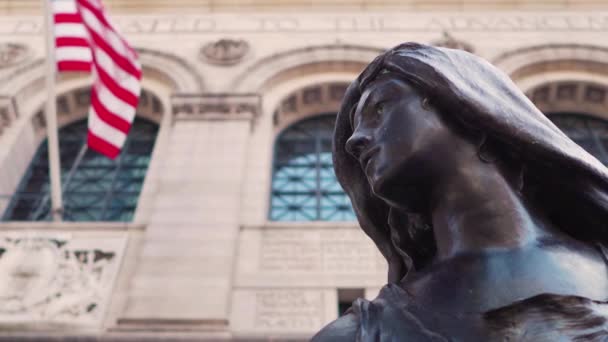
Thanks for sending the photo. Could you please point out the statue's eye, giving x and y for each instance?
(380, 108)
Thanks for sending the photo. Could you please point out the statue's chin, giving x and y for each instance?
(403, 197)
(400, 187)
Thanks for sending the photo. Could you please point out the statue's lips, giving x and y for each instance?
(366, 157)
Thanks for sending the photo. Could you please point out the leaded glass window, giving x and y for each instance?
(99, 190)
(304, 186)
(589, 132)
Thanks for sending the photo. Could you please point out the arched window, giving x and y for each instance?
(304, 186)
(589, 132)
(100, 189)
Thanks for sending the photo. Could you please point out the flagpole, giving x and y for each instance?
(51, 115)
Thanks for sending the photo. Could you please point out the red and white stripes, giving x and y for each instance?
(72, 51)
(117, 77)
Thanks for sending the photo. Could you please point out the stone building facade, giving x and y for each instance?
(207, 253)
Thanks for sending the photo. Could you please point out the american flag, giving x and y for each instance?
(72, 49)
(87, 41)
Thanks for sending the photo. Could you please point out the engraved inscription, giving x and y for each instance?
(348, 257)
(342, 251)
(289, 250)
(288, 310)
(349, 252)
(338, 23)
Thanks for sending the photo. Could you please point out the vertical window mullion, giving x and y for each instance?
(318, 169)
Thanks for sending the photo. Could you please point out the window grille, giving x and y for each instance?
(100, 189)
(304, 186)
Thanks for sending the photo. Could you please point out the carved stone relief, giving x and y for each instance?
(567, 91)
(225, 52)
(39, 121)
(149, 105)
(449, 41)
(541, 94)
(8, 112)
(570, 96)
(12, 54)
(57, 278)
(595, 94)
(75, 105)
(70, 106)
(216, 106)
(317, 99)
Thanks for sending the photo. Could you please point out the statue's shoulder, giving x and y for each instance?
(395, 316)
(344, 328)
(361, 319)
(386, 318)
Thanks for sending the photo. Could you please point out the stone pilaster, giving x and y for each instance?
(184, 275)
(13, 162)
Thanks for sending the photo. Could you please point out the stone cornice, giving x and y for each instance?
(186, 6)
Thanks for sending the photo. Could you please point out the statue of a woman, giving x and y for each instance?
(493, 222)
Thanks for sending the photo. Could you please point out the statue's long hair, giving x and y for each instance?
(564, 181)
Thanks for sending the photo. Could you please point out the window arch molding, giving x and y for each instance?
(540, 59)
(257, 184)
(24, 85)
(73, 104)
(571, 96)
(291, 64)
(578, 107)
(532, 66)
(307, 102)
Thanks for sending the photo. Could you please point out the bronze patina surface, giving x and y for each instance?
(493, 222)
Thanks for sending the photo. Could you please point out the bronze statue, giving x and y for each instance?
(493, 222)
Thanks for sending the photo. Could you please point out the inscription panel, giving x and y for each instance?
(309, 256)
(378, 22)
(325, 250)
(348, 253)
(291, 311)
(288, 251)
(288, 310)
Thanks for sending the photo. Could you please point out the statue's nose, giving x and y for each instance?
(357, 143)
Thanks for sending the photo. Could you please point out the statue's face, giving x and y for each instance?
(402, 144)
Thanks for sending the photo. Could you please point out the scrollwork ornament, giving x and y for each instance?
(12, 54)
(450, 42)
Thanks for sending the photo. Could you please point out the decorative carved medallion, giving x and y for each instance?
(450, 42)
(225, 52)
(11, 54)
(56, 278)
